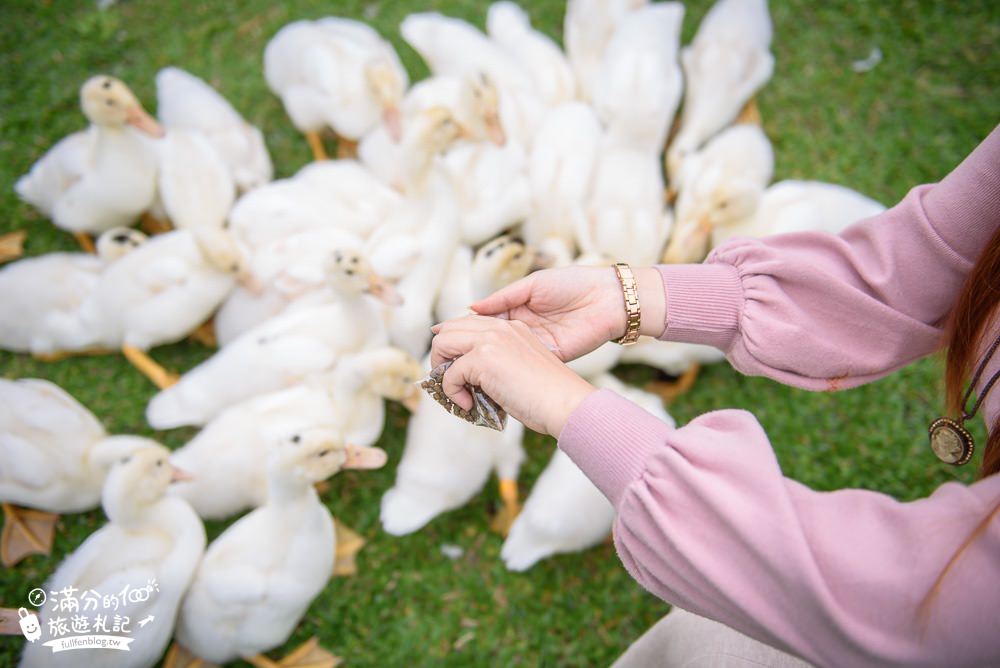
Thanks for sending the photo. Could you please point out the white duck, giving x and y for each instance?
(587, 29)
(509, 26)
(258, 578)
(157, 294)
(48, 442)
(719, 185)
(50, 449)
(471, 277)
(801, 206)
(117, 181)
(490, 188)
(454, 47)
(560, 171)
(149, 538)
(626, 219)
(38, 290)
(445, 462)
(639, 82)
(565, 512)
(335, 73)
(282, 351)
(728, 61)
(185, 102)
(195, 186)
(228, 458)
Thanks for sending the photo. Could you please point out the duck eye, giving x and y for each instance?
(159, 462)
(296, 438)
(234, 266)
(126, 460)
(120, 238)
(106, 84)
(324, 453)
(349, 272)
(110, 103)
(354, 260)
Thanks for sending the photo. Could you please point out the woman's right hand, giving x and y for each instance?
(573, 310)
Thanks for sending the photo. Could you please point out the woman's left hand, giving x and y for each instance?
(512, 366)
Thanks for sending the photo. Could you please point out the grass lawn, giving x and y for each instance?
(935, 95)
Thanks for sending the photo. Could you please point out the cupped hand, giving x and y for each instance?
(573, 310)
(511, 365)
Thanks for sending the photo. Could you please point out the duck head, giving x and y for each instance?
(720, 186)
(221, 251)
(393, 373)
(387, 87)
(482, 101)
(118, 242)
(108, 102)
(349, 272)
(499, 262)
(139, 474)
(709, 203)
(308, 456)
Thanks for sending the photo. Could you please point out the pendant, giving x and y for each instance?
(951, 442)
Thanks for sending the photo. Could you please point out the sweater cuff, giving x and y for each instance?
(610, 439)
(704, 302)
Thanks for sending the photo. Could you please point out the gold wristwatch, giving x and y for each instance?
(630, 291)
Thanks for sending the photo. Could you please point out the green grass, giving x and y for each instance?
(910, 120)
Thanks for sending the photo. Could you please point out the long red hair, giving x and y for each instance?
(968, 325)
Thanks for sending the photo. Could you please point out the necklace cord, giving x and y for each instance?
(968, 415)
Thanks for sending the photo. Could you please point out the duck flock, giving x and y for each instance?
(320, 290)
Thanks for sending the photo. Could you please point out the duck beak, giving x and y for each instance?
(359, 457)
(494, 130)
(393, 122)
(383, 290)
(689, 247)
(139, 119)
(180, 475)
(250, 282)
(412, 398)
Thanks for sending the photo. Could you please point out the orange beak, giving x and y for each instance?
(359, 457)
(382, 290)
(494, 130)
(393, 122)
(137, 117)
(180, 475)
(412, 399)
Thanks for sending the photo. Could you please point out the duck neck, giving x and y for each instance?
(284, 490)
(124, 511)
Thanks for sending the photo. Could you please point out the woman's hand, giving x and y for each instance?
(510, 364)
(574, 310)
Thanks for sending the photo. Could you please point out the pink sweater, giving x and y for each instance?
(706, 520)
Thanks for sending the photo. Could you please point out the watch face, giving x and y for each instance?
(950, 442)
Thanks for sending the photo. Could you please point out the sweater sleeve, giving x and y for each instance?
(706, 521)
(826, 312)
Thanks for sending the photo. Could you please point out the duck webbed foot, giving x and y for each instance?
(510, 507)
(12, 245)
(307, 655)
(151, 225)
(669, 390)
(178, 656)
(86, 243)
(25, 532)
(750, 114)
(316, 145)
(347, 149)
(149, 368)
(349, 543)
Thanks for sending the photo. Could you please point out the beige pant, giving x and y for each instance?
(685, 640)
